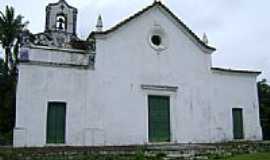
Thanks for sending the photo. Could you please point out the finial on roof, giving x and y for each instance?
(99, 26)
(205, 39)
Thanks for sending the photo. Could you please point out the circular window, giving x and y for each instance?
(156, 40)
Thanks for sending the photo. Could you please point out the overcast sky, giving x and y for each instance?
(239, 29)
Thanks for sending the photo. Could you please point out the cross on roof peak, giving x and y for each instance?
(160, 1)
(62, 1)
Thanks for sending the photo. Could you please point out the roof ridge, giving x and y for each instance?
(236, 70)
(127, 19)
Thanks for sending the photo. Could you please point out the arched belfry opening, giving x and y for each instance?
(61, 22)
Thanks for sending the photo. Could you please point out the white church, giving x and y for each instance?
(147, 80)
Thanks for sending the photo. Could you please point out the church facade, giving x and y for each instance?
(147, 80)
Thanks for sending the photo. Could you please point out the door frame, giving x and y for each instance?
(172, 94)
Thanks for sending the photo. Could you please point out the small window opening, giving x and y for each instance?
(156, 40)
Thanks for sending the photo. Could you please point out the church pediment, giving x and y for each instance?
(204, 46)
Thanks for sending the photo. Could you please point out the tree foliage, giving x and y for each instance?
(11, 26)
(7, 104)
(264, 99)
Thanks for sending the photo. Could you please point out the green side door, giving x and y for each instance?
(56, 123)
(238, 130)
(159, 118)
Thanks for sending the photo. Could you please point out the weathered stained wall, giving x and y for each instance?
(58, 56)
(107, 105)
(233, 90)
(43, 84)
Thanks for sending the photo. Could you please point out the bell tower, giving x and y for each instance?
(61, 17)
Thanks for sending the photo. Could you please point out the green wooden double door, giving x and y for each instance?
(56, 123)
(159, 118)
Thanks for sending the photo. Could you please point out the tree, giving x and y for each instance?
(11, 26)
(2, 74)
(264, 100)
(6, 106)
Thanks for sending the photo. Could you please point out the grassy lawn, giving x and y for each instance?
(255, 156)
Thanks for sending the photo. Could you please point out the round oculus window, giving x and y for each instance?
(156, 40)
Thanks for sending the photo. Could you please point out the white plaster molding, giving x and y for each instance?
(159, 88)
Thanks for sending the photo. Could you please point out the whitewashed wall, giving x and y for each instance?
(107, 106)
(58, 56)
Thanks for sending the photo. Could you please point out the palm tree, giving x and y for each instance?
(11, 27)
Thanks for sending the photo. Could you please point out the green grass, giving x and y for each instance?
(255, 156)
